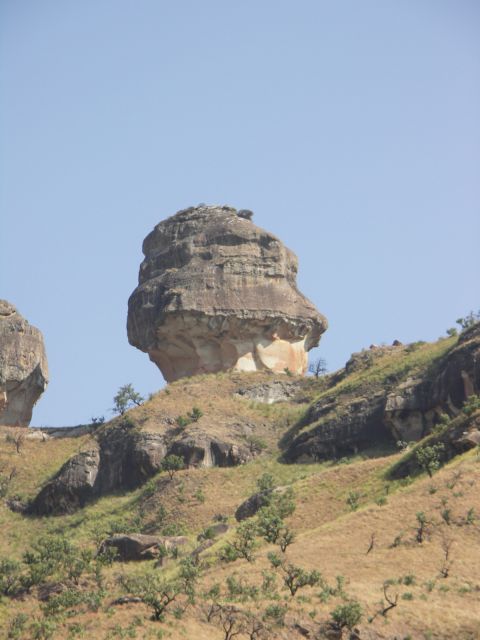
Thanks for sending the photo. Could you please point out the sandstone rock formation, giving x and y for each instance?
(122, 457)
(23, 367)
(218, 293)
(138, 546)
(403, 406)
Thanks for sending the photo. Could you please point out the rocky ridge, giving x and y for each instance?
(397, 393)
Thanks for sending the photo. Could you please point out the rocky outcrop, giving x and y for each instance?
(462, 434)
(218, 293)
(23, 367)
(123, 458)
(269, 393)
(402, 406)
(137, 546)
(252, 504)
(341, 431)
(71, 488)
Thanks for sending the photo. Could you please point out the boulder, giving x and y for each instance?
(23, 367)
(137, 546)
(251, 505)
(218, 293)
(71, 487)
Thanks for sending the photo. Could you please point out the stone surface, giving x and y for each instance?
(269, 393)
(124, 458)
(218, 293)
(252, 504)
(402, 408)
(23, 367)
(137, 546)
(459, 436)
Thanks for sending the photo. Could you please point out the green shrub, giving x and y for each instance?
(428, 457)
(243, 544)
(471, 405)
(171, 464)
(125, 398)
(10, 579)
(16, 626)
(347, 615)
(353, 500)
(276, 613)
(266, 482)
(195, 414)
(269, 523)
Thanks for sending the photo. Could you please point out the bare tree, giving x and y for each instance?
(372, 543)
(318, 367)
(391, 603)
(232, 621)
(17, 438)
(447, 544)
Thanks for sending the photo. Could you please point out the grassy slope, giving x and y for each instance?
(330, 536)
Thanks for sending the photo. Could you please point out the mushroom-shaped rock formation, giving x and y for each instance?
(218, 293)
(23, 367)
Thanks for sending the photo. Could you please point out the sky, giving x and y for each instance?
(351, 129)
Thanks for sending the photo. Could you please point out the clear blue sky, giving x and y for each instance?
(350, 128)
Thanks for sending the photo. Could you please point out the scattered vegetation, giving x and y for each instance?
(125, 398)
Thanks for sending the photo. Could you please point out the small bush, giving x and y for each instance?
(276, 613)
(266, 482)
(471, 405)
(353, 500)
(347, 615)
(428, 457)
(243, 543)
(171, 464)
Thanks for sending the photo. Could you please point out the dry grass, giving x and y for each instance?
(330, 536)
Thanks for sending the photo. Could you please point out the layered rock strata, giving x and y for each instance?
(23, 367)
(405, 406)
(218, 293)
(123, 458)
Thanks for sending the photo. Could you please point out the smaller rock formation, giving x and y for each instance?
(404, 406)
(271, 392)
(137, 546)
(217, 293)
(23, 367)
(124, 458)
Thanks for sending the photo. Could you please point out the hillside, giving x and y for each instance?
(363, 513)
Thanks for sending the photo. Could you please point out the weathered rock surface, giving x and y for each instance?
(252, 504)
(398, 407)
(137, 546)
(23, 367)
(123, 458)
(461, 435)
(255, 502)
(269, 393)
(218, 293)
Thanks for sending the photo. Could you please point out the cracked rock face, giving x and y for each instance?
(23, 367)
(218, 293)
